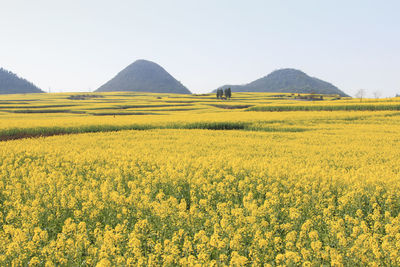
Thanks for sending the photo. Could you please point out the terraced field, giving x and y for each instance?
(152, 179)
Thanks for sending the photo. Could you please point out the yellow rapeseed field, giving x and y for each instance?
(289, 188)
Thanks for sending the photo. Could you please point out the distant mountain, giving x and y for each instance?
(10, 83)
(287, 81)
(144, 76)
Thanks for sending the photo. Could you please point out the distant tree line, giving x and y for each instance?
(84, 97)
(221, 92)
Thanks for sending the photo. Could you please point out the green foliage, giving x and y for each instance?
(228, 93)
(367, 107)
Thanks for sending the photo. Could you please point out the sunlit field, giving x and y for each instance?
(50, 114)
(131, 179)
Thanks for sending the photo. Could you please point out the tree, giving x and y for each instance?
(228, 93)
(361, 94)
(220, 93)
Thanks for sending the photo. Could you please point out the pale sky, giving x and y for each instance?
(77, 45)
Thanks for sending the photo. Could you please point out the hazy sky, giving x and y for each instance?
(77, 45)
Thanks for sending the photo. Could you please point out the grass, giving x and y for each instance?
(37, 107)
(232, 106)
(43, 111)
(354, 107)
(151, 106)
(19, 133)
(123, 113)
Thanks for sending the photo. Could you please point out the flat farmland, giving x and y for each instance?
(119, 179)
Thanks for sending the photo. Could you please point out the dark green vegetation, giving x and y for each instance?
(353, 107)
(224, 93)
(231, 106)
(19, 133)
(144, 76)
(84, 97)
(287, 81)
(10, 83)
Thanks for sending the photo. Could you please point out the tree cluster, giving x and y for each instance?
(221, 92)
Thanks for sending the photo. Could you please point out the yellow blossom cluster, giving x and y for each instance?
(327, 195)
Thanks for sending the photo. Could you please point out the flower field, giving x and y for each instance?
(208, 186)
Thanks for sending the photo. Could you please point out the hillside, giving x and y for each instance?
(144, 76)
(288, 81)
(10, 83)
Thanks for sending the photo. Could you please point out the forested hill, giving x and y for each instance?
(144, 76)
(10, 83)
(288, 81)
